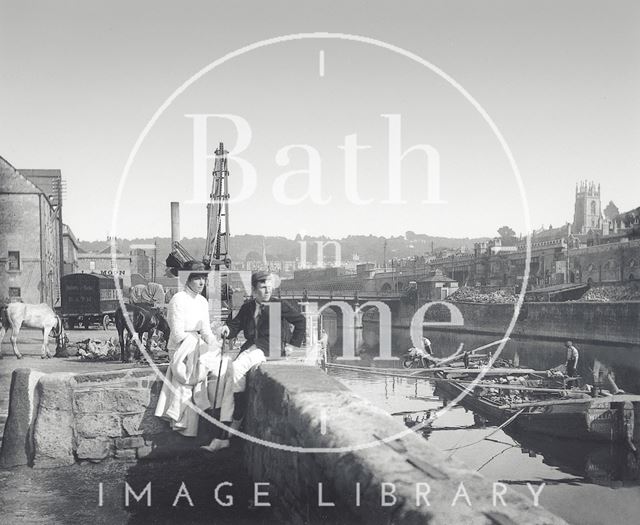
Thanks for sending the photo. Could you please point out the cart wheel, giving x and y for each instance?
(106, 321)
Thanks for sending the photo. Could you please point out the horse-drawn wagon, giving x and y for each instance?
(88, 299)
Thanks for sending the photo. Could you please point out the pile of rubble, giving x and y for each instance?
(605, 294)
(506, 397)
(97, 350)
(109, 350)
(468, 294)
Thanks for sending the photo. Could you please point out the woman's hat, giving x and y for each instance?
(196, 268)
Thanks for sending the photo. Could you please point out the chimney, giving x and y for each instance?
(175, 222)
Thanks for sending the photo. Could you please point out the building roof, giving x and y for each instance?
(551, 234)
(82, 254)
(67, 232)
(437, 277)
(11, 181)
(623, 216)
(48, 181)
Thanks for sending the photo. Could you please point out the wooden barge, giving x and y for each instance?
(612, 418)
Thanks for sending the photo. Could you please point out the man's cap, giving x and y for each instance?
(259, 276)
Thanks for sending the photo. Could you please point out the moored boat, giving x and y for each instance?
(551, 411)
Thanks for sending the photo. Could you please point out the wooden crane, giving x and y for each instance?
(216, 250)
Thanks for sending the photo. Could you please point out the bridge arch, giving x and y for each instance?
(418, 323)
(352, 322)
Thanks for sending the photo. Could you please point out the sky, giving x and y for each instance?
(558, 81)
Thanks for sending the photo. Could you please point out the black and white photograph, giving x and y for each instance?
(320, 262)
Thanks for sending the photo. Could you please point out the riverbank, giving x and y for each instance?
(608, 323)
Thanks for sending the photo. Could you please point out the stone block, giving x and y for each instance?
(101, 377)
(16, 447)
(148, 373)
(91, 401)
(130, 400)
(54, 391)
(93, 448)
(132, 424)
(53, 426)
(95, 425)
(127, 453)
(152, 425)
(129, 442)
(144, 451)
(53, 439)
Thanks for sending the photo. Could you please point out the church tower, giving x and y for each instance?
(587, 215)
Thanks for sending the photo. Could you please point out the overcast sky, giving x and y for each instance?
(560, 80)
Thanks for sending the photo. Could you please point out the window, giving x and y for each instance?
(593, 207)
(14, 261)
(14, 293)
(92, 265)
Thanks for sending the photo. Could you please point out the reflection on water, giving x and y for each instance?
(600, 463)
(624, 361)
(588, 470)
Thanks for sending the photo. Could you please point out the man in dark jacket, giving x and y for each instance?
(253, 320)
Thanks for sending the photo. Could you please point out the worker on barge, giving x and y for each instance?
(572, 359)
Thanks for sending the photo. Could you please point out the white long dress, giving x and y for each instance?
(193, 364)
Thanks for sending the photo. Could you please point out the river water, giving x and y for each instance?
(585, 483)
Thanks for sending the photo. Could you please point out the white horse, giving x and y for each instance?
(15, 315)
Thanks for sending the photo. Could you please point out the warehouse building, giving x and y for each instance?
(30, 235)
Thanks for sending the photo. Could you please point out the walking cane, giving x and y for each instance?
(215, 397)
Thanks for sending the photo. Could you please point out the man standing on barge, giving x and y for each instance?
(572, 359)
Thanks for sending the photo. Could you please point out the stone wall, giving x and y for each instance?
(58, 419)
(607, 262)
(599, 322)
(297, 408)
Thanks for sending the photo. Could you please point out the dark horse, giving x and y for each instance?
(145, 319)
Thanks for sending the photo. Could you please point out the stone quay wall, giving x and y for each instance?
(58, 419)
(616, 322)
(297, 410)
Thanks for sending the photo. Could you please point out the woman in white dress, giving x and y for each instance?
(192, 362)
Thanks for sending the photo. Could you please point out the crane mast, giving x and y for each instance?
(216, 251)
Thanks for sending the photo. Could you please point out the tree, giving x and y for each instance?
(507, 236)
(506, 232)
(611, 211)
